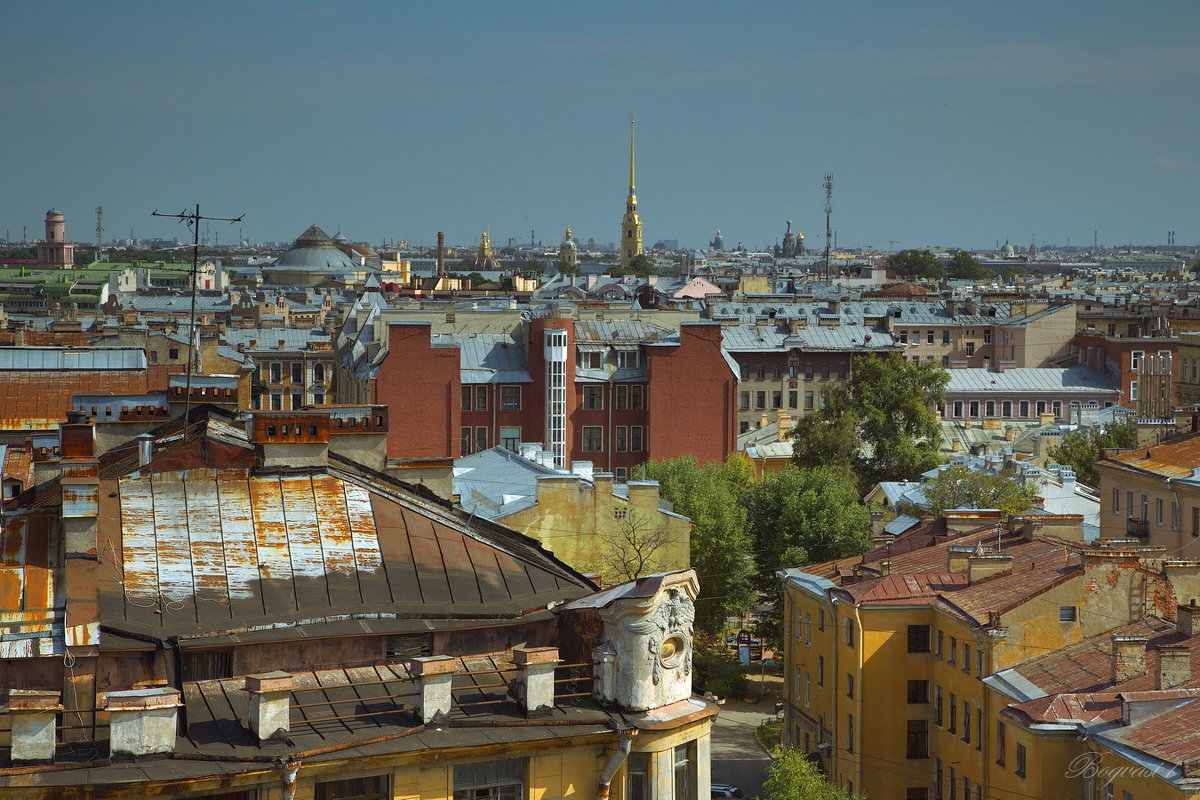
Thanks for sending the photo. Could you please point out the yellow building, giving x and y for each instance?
(914, 670)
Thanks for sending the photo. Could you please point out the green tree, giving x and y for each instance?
(797, 516)
(1194, 264)
(477, 279)
(881, 423)
(915, 264)
(793, 776)
(533, 266)
(642, 266)
(632, 546)
(964, 266)
(963, 487)
(720, 541)
(1080, 450)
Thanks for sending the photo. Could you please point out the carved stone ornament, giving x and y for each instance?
(668, 633)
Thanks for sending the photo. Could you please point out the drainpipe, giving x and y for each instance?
(858, 701)
(289, 770)
(614, 764)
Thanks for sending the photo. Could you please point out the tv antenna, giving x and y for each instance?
(828, 210)
(192, 219)
(99, 230)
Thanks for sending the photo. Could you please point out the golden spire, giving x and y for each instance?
(632, 120)
(485, 246)
(631, 225)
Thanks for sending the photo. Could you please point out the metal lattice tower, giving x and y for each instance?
(828, 211)
(99, 230)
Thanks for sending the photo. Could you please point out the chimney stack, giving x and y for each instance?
(270, 704)
(1128, 657)
(441, 254)
(1174, 667)
(536, 686)
(435, 674)
(985, 565)
(142, 722)
(1187, 619)
(33, 714)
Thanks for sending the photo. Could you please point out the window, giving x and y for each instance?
(744, 403)
(918, 638)
(276, 372)
(970, 349)
(464, 441)
(637, 781)
(937, 705)
(1021, 760)
(173, 353)
(1041, 406)
(319, 373)
(297, 372)
(637, 397)
(593, 438)
(918, 691)
(1066, 613)
(621, 442)
(808, 401)
(989, 408)
(848, 631)
(629, 359)
(807, 690)
(587, 360)
(966, 720)
(1024, 408)
(916, 743)
(777, 371)
(953, 722)
(987, 336)
(622, 474)
(1116, 501)
(510, 398)
(945, 336)
(761, 372)
(207, 665)
(481, 438)
(849, 733)
(593, 397)
(820, 670)
(276, 402)
(952, 782)
(744, 371)
(466, 398)
(940, 641)
(684, 773)
(1006, 409)
(966, 665)
(850, 685)
(793, 397)
(958, 408)
(808, 370)
(1000, 748)
(821, 620)
(776, 399)
(953, 652)
(843, 369)
(481, 398)
(807, 630)
(974, 406)
(760, 400)
(1056, 409)
(635, 439)
(622, 397)
(929, 337)
(372, 788)
(1133, 390)
(490, 780)
(903, 337)
(1135, 360)
(510, 438)
(1158, 512)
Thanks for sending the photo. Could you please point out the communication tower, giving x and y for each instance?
(828, 210)
(99, 230)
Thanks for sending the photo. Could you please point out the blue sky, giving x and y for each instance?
(957, 123)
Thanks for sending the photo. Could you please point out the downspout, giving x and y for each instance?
(858, 700)
(614, 764)
(611, 441)
(288, 771)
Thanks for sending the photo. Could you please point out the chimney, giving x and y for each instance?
(270, 704)
(985, 565)
(1046, 418)
(536, 687)
(958, 557)
(1128, 657)
(33, 714)
(145, 445)
(1174, 667)
(530, 450)
(435, 674)
(142, 722)
(441, 254)
(783, 421)
(1008, 433)
(1187, 619)
(583, 469)
(885, 568)
(955, 445)
(762, 420)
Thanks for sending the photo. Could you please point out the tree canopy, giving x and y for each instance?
(642, 266)
(915, 264)
(793, 776)
(880, 425)
(964, 266)
(963, 487)
(720, 543)
(1080, 450)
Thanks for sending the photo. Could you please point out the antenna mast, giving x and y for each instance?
(828, 210)
(99, 230)
(192, 219)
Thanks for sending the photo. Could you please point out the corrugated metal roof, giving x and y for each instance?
(1023, 380)
(487, 357)
(72, 358)
(31, 401)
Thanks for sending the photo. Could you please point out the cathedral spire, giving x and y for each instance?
(631, 225)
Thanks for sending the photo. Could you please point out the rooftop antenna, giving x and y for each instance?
(99, 230)
(828, 210)
(192, 220)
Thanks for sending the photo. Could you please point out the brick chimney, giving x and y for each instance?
(1187, 619)
(1128, 657)
(1174, 667)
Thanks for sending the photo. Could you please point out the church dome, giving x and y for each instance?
(54, 212)
(314, 250)
(1007, 250)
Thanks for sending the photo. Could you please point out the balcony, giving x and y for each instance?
(1137, 528)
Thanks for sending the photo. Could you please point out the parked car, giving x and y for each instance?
(723, 791)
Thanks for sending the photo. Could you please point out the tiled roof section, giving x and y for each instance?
(1087, 665)
(917, 569)
(228, 551)
(39, 400)
(1171, 460)
(1173, 735)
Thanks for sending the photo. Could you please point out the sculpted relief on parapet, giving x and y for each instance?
(668, 632)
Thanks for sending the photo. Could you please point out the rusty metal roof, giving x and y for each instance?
(206, 552)
(31, 601)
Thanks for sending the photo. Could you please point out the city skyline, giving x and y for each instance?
(960, 126)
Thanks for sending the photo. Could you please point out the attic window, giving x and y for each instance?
(1067, 613)
(407, 646)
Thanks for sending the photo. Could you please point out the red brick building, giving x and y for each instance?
(1126, 357)
(617, 393)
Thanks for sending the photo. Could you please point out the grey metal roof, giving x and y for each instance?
(487, 357)
(67, 358)
(1024, 380)
(269, 338)
(496, 482)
